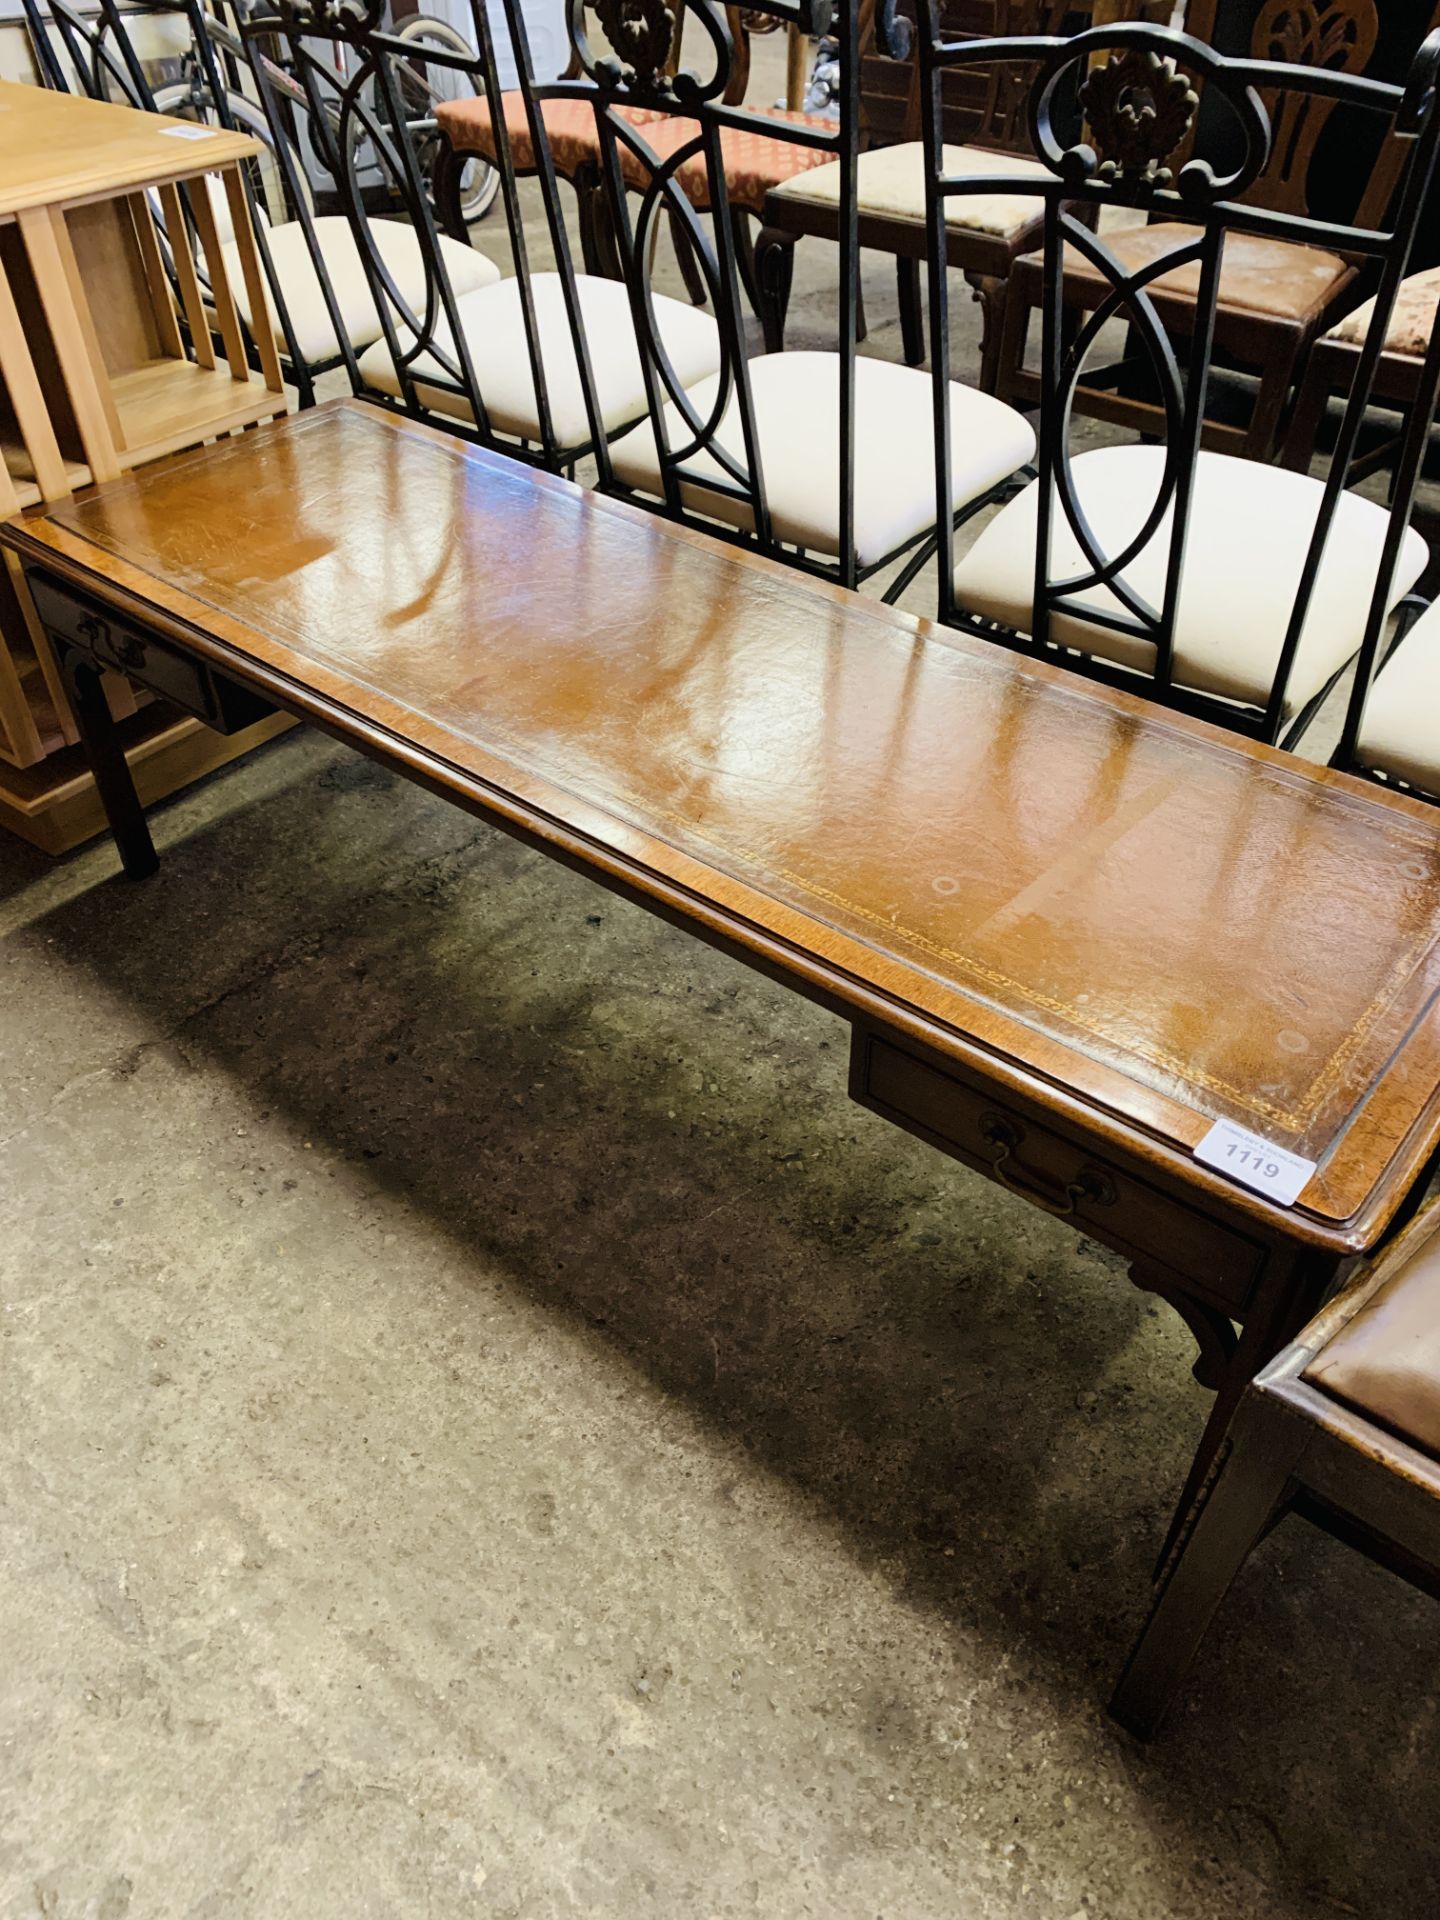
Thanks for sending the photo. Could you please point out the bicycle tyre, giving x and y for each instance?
(480, 182)
(179, 103)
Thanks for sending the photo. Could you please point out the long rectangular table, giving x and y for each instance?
(1070, 931)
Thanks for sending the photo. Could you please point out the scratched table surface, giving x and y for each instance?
(1159, 920)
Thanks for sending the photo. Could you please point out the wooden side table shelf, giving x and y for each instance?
(100, 372)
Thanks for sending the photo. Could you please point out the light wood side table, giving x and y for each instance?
(112, 352)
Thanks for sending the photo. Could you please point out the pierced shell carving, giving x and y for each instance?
(641, 32)
(1139, 110)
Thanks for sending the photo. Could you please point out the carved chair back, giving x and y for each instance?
(981, 110)
(1338, 36)
(1141, 92)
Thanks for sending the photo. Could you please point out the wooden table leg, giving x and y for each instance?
(1248, 1485)
(113, 779)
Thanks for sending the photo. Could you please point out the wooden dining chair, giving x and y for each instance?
(824, 459)
(1280, 290)
(1343, 1428)
(543, 364)
(1218, 585)
(756, 160)
(1330, 371)
(986, 133)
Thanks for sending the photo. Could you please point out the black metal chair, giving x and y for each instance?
(542, 363)
(1217, 585)
(823, 459)
(1391, 730)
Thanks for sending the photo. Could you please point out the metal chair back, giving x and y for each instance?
(93, 49)
(1142, 89)
(357, 78)
(663, 136)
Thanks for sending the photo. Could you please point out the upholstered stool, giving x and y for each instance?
(1343, 1427)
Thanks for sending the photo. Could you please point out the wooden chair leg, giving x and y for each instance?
(743, 237)
(1303, 433)
(108, 764)
(1262, 436)
(1009, 321)
(994, 315)
(912, 310)
(774, 272)
(445, 179)
(1246, 1491)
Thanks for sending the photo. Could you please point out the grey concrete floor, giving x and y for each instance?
(487, 1428)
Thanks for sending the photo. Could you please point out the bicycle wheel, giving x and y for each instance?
(266, 172)
(425, 86)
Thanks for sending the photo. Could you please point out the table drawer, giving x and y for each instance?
(971, 1122)
(72, 620)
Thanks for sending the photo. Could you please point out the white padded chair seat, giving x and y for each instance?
(494, 327)
(890, 184)
(1250, 526)
(797, 417)
(1400, 732)
(399, 248)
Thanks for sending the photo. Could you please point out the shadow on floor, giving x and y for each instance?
(650, 1139)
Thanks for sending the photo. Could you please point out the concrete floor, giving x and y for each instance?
(488, 1429)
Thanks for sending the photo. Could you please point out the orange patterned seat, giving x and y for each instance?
(754, 161)
(570, 125)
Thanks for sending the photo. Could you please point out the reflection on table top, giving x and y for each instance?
(1158, 919)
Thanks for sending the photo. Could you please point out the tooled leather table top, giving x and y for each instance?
(1158, 918)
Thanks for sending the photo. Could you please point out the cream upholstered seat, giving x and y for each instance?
(398, 246)
(797, 417)
(1249, 529)
(1400, 732)
(890, 185)
(494, 328)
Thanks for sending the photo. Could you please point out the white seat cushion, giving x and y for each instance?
(494, 328)
(890, 183)
(797, 418)
(1400, 731)
(1250, 526)
(399, 248)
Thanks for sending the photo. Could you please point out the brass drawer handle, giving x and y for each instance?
(1089, 1184)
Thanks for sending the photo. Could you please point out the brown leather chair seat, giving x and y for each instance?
(1278, 278)
(1385, 1362)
